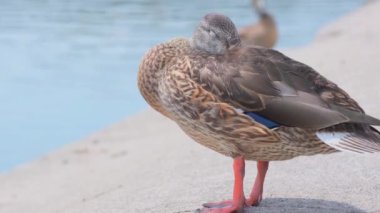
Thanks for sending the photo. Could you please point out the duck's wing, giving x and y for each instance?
(286, 91)
(188, 100)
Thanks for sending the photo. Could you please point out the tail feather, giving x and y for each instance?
(352, 138)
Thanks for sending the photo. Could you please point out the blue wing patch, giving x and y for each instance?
(262, 120)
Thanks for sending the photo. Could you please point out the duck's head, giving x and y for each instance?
(215, 34)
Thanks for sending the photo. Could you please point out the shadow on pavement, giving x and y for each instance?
(300, 205)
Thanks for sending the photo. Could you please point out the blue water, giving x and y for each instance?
(68, 68)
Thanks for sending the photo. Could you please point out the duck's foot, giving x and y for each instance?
(238, 202)
(227, 206)
(254, 200)
(218, 204)
(257, 191)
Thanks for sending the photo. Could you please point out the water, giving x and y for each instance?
(68, 68)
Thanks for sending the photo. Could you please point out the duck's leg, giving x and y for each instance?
(238, 201)
(257, 191)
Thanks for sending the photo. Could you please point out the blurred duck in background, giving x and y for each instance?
(263, 33)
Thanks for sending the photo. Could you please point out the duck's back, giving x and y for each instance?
(287, 91)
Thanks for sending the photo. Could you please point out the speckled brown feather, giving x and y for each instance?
(152, 67)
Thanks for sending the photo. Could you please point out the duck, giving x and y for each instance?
(250, 103)
(263, 33)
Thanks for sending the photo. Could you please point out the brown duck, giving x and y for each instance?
(264, 32)
(250, 103)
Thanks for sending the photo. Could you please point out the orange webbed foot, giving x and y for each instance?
(227, 206)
